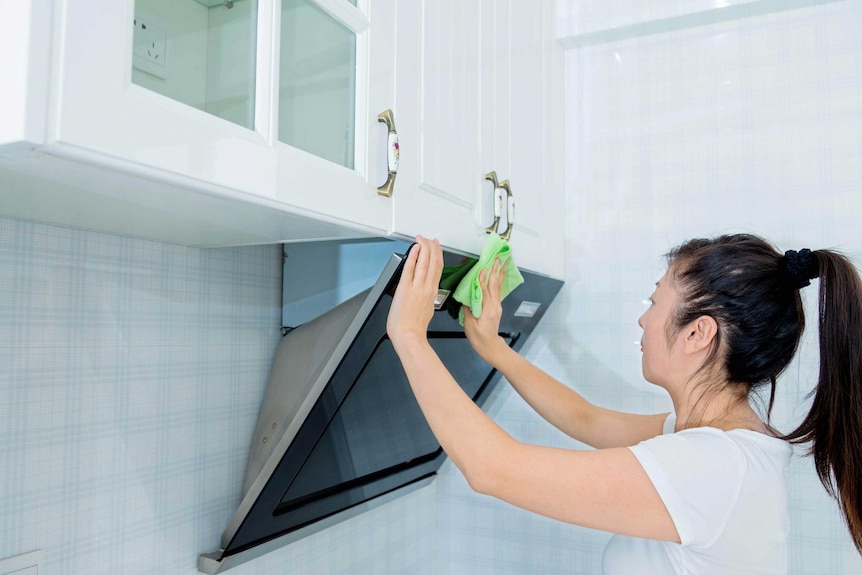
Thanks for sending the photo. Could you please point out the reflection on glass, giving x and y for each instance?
(380, 425)
(199, 52)
(317, 82)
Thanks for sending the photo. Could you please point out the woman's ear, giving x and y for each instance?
(700, 334)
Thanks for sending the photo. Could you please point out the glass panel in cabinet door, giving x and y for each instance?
(198, 52)
(317, 86)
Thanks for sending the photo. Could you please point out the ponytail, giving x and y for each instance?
(833, 426)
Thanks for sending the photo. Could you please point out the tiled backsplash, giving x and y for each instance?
(132, 376)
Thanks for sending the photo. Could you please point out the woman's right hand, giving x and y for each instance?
(483, 332)
(413, 304)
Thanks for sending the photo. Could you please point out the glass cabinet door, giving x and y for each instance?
(317, 83)
(199, 52)
(202, 53)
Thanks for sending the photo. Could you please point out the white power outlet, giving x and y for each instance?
(150, 46)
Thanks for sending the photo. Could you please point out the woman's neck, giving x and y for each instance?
(716, 405)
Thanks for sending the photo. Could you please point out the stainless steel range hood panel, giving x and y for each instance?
(295, 382)
(329, 338)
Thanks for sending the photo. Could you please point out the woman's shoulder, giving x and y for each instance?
(733, 447)
(692, 442)
(754, 431)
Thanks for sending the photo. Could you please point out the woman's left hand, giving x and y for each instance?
(413, 305)
(484, 333)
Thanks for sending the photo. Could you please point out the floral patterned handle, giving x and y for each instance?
(393, 154)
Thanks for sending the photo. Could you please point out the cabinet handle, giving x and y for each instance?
(392, 154)
(510, 209)
(498, 202)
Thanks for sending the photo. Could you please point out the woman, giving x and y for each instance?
(700, 490)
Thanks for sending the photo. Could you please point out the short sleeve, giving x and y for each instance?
(698, 474)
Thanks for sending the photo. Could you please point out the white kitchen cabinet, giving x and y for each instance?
(97, 123)
(479, 89)
(262, 123)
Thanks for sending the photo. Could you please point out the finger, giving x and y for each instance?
(410, 265)
(421, 271)
(437, 263)
(489, 290)
(483, 283)
(489, 275)
(501, 275)
(498, 270)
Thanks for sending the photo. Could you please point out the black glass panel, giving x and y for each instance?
(325, 486)
(379, 425)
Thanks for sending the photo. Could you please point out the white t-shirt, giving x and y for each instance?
(726, 494)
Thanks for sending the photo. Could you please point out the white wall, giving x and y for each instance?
(686, 127)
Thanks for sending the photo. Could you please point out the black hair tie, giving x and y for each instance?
(801, 266)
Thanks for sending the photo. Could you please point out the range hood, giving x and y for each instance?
(339, 431)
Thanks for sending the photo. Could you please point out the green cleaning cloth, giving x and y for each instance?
(469, 292)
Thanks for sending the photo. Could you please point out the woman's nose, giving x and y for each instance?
(641, 320)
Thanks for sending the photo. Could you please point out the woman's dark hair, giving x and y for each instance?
(751, 290)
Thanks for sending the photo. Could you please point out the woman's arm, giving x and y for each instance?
(605, 489)
(561, 406)
(568, 411)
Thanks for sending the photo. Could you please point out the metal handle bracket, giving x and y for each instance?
(510, 210)
(498, 202)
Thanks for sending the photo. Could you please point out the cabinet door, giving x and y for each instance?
(158, 119)
(522, 74)
(336, 75)
(208, 118)
(479, 89)
(437, 111)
